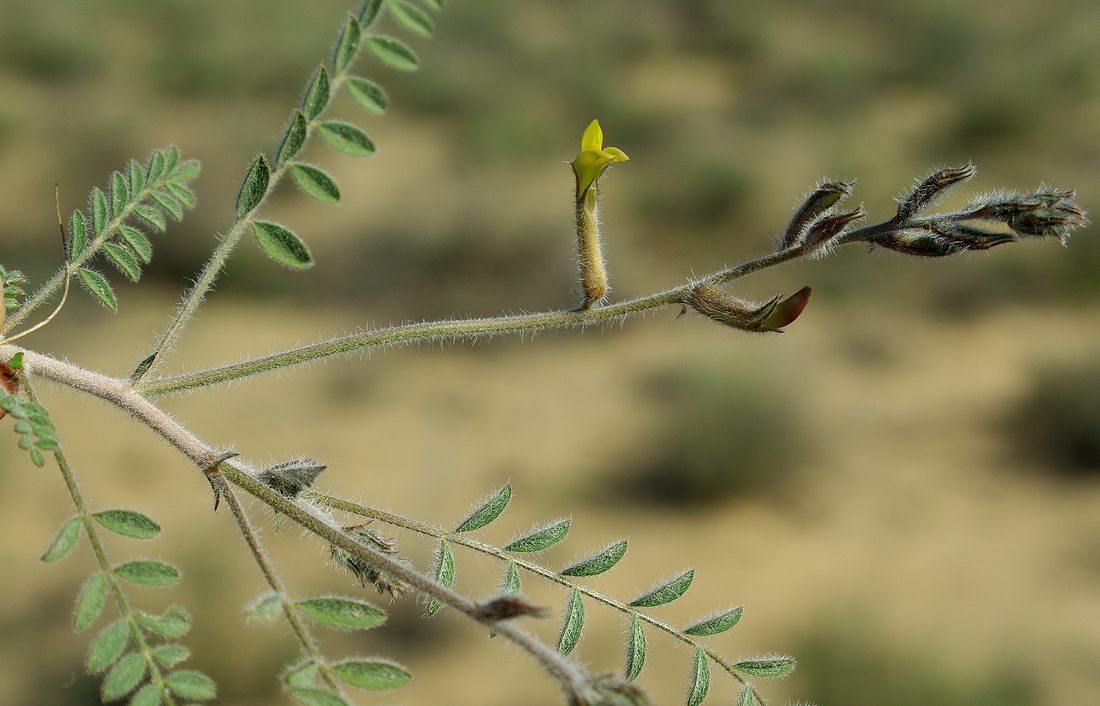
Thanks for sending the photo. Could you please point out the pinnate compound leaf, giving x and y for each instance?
(137, 241)
(540, 537)
(666, 591)
(315, 182)
(373, 674)
(572, 622)
(700, 679)
(487, 510)
(601, 561)
(444, 574)
(317, 94)
(171, 654)
(346, 45)
(316, 697)
(124, 260)
(265, 608)
(64, 542)
(124, 676)
(282, 245)
(89, 603)
(107, 646)
(368, 94)
(393, 52)
(78, 234)
(148, 695)
(511, 585)
(253, 186)
(747, 697)
(343, 613)
(98, 287)
(346, 138)
(768, 667)
(99, 211)
(717, 623)
(635, 648)
(173, 623)
(293, 139)
(411, 17)
(191, 684)
(148, 572)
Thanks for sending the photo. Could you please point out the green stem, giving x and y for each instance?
(452, 330)
(464, 541)
(309, 646)
(117, 593)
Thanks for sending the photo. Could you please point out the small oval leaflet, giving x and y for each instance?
(98, 287)
(152, 217)
(541, 537)
(253, 186)
(78, 234)
(769, 667)
(107, 646)
(601, 561)
(572, 623)
(99, 210)
(747, 697)
(293, 139)
(666, 591)
(170, 655)
(265, 608)
(169, 203)
(368, 11)
(316, 697)
(148, 695)
(174, 623)
(488, 510)
(347, 45)
(148, 572)
(343, 613)
(346, 138)
(635, 648)
(315, 182)
(717, 623)
(393, 52)
(374, 674)
(89, 603)
(191, 684)
(436, 5)
(137, 241)
(124, 676)
(444, 574)
(411, 17)
(124, 260)
(368, 94)
(136, 176)
(64, 542)
(700, 679)
(282, 245)
(316, 98)
(511, 584)
(119, 195)
(303, 674)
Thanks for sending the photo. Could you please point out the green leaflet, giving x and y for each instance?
(540, 537)
(265, 608)
(119, 195)
(700, 679)
(98, 287)
(148, 695)
(436, 5)
(107, 646)
(717, 623)
(346, 45)
(393, 52)
(316, 697)
(374, 674)
(293, 138)
(635, 648)
(315, 182)
(170, 655)
(572, 622)
(368, 11)
(487, 510)
(511, 584)
(444, 574)
(174, 623)
(367, 93)
(666, 591)
(152, 217)
(191, 684)
(124, 676)
(64, 542)
(124, 260)
(282, 245)
(99, 210)
(135, 175)
(317, 94)
(343, 613)
(253, 186)
(747, 697)
(301, 675)
(78, 234)
(148, 572)
(411, 16)
(768, 667)
(169, 203)
(137, 241)
(89, 603)
(597, 563)
(346, 138)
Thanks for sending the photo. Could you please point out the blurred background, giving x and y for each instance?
(902, 490)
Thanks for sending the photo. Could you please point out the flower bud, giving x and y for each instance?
(821, 199)
(821, 234)
(1042, 213)
(931, 188)
(713, 303)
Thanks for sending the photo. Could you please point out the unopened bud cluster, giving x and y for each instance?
(718, 306)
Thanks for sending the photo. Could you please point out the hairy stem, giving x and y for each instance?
(461, 539)
(252, 539)
(124, 608)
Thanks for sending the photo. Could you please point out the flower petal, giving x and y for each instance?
(592, 139)
(616, 154)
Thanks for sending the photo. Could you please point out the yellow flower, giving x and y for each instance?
(594, 158)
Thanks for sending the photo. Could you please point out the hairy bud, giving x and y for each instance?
(713, 303)
(931, 188)
(507, 607)
(821, 234)
(821, 199)
(1042, 213)
(366, 573)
